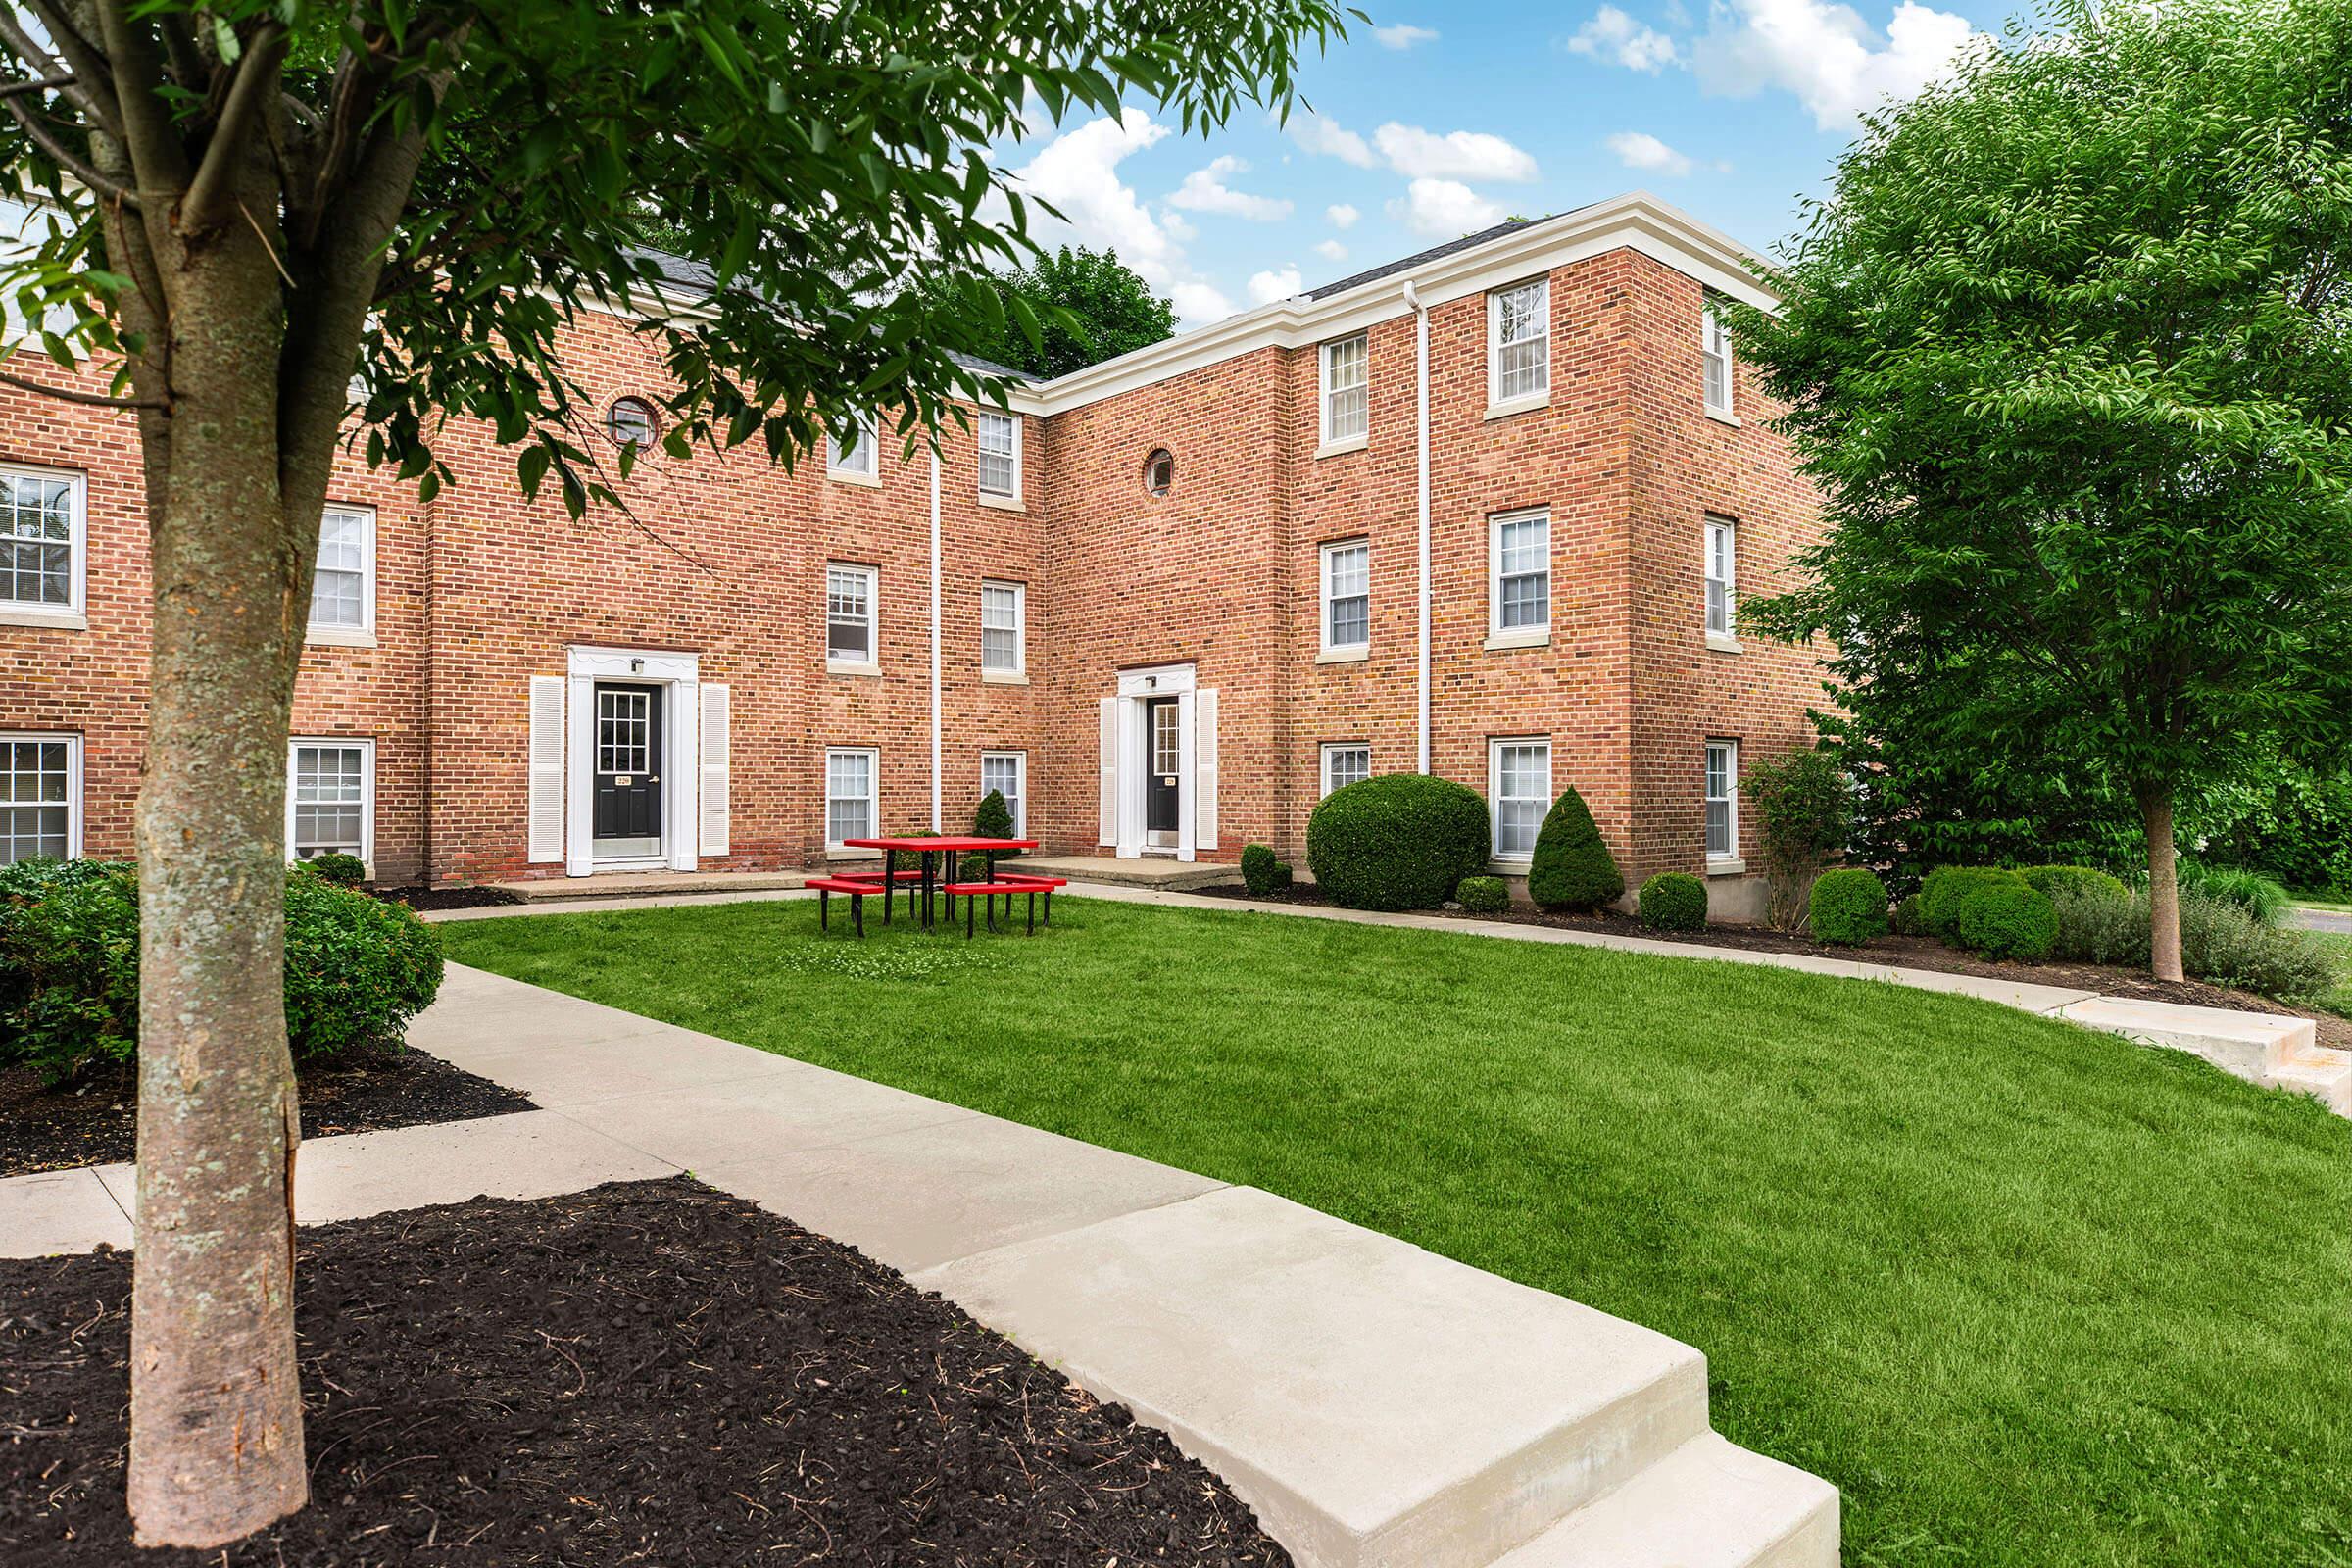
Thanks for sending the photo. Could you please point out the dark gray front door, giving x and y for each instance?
(1162, 754)
(628, 771)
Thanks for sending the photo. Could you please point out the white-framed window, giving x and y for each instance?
(1723, 800)
(343, 582)
(998, 438)
(1715, 348)
(1519, 572)
(40, 796)
(1345, 762)
(1003, 627)
(1518, 793)
(851, 776)
(1007, 773)
(1519, 341)
(1347, 390)
(330, 798)
(860, 458)
(850, 615)
(43, 530)
(1347, 594)
(1723, 536)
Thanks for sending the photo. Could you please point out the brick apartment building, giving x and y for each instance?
(1480, 512)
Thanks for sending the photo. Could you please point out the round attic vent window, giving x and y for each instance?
(1159, 472)
(630, 423)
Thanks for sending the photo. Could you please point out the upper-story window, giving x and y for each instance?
(1159, 472)
(1722, 552)
(1519, 342)
(41, 540)
(343, 583)
(1519, 574)
(850, 615)
(630, 423)
(1347, 595)
(999, 436)
(859, 456)
(1715, 348)
(1004, 613)
(1347, 390)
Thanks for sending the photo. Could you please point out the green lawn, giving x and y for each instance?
(2028, 1294)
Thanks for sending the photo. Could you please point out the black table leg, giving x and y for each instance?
(1032, 931)
(890, 866)
(824, 909)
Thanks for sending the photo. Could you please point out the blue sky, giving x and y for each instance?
(1439, 119)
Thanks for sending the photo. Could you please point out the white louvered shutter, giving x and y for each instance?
(1110, 797)
(547, 697)
(715, 771)
(1204, 768)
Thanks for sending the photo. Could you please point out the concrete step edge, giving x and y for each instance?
(2246, 1043)
(1709, 1504)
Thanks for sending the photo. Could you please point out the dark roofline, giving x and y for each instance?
(1449, 248)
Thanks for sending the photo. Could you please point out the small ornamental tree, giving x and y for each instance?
(1572, 868)
(993, 819)
(1803, 808)
(2067, 351)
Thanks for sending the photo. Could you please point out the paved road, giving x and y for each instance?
(2320, 920)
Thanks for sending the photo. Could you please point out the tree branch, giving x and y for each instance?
(209, 198)
(44, 85)
(86, 90)
(95, 400)
(158, 162)
(66, 159)
(188, 64)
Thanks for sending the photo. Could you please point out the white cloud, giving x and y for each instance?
(1204, 191)
(1638, 149)
(1404, 35)
(1078, 172)
(1326, 136)
(1331, 250)
(1418, 154)
(1616, 37)
(1444, 208)
(1826, 54)
(1268, 287)
(1199, 303)
(1341, 214)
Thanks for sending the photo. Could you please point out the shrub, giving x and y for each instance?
(1572, 868)
(357, 967)
(2098, 926)
(2259, 896)
(991, 818)
(1482, 895)
(2220, 942)
(1909, 920)
(1259, 872)
(1941, 896)
(906, 859)
(2051, 880)
(1398, 841)
(1674, 901)
(1283, 876)
(1848, 908)
(972, 866)
(2005, 919)
(343, 870)
(1803, 806)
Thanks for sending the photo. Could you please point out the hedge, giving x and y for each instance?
(2055, 881)
(1572, 868)
(1848, 908)
(1673, 900)
(1397, 841)
(1941, 896)
(2005, 919)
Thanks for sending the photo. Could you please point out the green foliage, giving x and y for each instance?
(972, 867)
(991, 818)
(2288, 822)
(1257, 868)
(2005, 920)
(1802, 805)
(2065, 352)
(2259, 896)
(1941, 896)
(1848, 908)
(1482, 895)
(1397, 841)
(2221, 941)
(2051, 880)
(1910, 916)
(1089, 304)
(343, 870)
(358, 968)
(1674, 901)
(1572, 868)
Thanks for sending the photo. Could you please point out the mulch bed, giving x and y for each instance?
(93, 1121)
(1899, 952)
(449, 898)
(649, 1373)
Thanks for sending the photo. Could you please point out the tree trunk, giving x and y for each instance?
(2164, 885)
(217, 1446)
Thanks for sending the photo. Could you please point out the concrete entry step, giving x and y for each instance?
(624, 884)
(1709, 1504)
(2318, 1071)
(1151, 871)
(2250, 1045)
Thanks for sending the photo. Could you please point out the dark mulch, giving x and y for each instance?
(449, 898)
(1900, 952)
(93, 1121)
(650, 1373)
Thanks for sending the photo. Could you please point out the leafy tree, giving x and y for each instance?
(2066, 352)
(1804, 810)
(251, 200)
(1088, 307)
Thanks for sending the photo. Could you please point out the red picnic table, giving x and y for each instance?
(928, 879)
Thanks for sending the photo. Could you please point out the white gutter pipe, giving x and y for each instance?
(1412, 298)
(935, 780)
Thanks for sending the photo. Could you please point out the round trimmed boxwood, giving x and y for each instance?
(1941, 896)
(2054, 882)
(1572, 868)
(1848, 906)
(1396, 841)
(1674, 901)
(357, 969)
(1257, 868)
(2006, 920)
(1482, 895)
(343, 870)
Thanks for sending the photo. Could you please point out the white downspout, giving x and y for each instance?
(935, 781)
(1412, 298)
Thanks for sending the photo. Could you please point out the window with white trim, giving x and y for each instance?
(1345, 762)
(1722, 551)
(850, 776)
(1347, 390)
(998, 438)
(343, 582)
(1518, 793)
(849, 614)
(330, 798)
(43, 528)
(1519, 342)
(1519, 572)
(859, 459)
(1003, 626)
(1723, 800)
(1715, 348)
(1347, 594)
(40, 796)
(1007, 773)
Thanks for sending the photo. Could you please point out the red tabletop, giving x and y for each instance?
(920, 846)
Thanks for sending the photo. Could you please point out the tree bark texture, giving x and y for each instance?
(2164, 884)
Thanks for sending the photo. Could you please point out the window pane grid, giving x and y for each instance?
(849, 796)
(1348, 596)
(1719, 578)
(330, 794)
(858, 456)
(1002, 773)
(1347, 390)
(35, 806)
(1000, 627)
(1523, 563)
(1522, 790)
(1344, 766)
(37, 540)
(849, 613)
(998, 472)
(1722, 769)
(1522, 341)
(1717, 353)
(339, 579)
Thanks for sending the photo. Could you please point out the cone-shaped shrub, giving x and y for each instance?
(1573, 869)
(994, 820)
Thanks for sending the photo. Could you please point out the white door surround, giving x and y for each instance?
(1137, 687)
(681, 746)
